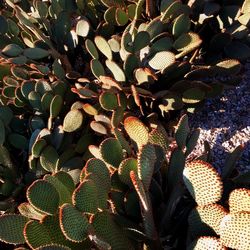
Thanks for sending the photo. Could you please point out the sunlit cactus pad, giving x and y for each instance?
(235, 230)
(203, 182)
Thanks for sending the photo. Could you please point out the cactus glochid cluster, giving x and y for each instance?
(91, 153)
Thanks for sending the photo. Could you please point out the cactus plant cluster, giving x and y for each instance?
(102, 84)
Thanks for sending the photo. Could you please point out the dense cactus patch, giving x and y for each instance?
(94, 133)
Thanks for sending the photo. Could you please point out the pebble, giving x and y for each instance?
(225, 123)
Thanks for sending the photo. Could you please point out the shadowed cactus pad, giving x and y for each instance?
(85, 197)
(107, 230)
(39, 193)
(235, 231)
(207, 243)
(11, 228)
(124, 169)
(203, 182)
(73, 223)
(53, 247)
(204, 220)
(146, 161)
(239, 200)
(111, 151)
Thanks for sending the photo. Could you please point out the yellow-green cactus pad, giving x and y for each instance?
(203, 182)
(207, 243)
(136, 130)
(239, 200)
(204, 220)
(235, 231)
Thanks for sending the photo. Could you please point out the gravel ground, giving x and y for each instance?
(225, 124)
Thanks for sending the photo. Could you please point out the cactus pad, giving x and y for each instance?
(85, 197)
(146, 161)
(124, 170)
(39, 193)
(111, 151)
(207, 243)
(73, 223)
(11, 228)
(73, 120)
(235, 231)
(204, 220)
(162, 60)
(108, 101)
(136, 130)
(107, 230)
(203, 182)
(239, 200)
(30, 212)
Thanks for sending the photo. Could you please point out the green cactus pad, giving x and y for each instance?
(111, 151)
(237, 50)
(182, 130)
(108, 101)
(142, 39)
(97, 68)
(39, 193)
(205, 220)
(106, 229)
(117, 72)
(186, 43)
(162, 60)
(63, 184)
(170, 9)
(139, 188)
(73, 120)
(159, 137)
(103, 46)
(239, 200)
(117, 116)
(85, 197)
(48, 230)
(193, 95)
(146, 161)
(227, 67)
(121, 17)
(235, 231)
(164, 43)
(109, 15)
(136, 130)
(35, 53)
(181, 25)
(203, 182)
(91, 48)
(53, 247)
(130, 64)
(120, 137)
(206, 243)
(48, 158)
(56, 106)
(192, 141)
(30, 212)
(124, 169)
(12, 50)
(11, 228)
(73, 223)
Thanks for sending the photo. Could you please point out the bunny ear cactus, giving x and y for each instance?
(210, 218)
